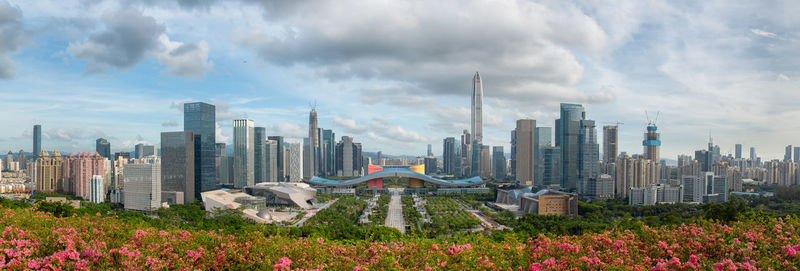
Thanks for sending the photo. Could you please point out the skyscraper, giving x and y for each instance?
(788, 155)
(738, 151)
(97, 189)
(513, 161)
(295, 162)
(178, 161)
(199, 119)
(485, 162)
(143, 150)
(430, 151)
(797, 154)
(327, 152)
(753, 153)
(652, 143)
(271, 161)
(610, 143)
(103, 148)
(449, 155)
(243, 152)
(259, 154)
(567, 131)
(224, 164)
(280, 162)
(552, 166)
(308, 157)
(498, 163)
(313, 136)
(525, 152)
(37, 141)
(477, 109)
(589, 155)
(49, 172)
(348, 160)
(78, 171)
(543, 139)
(466, 154)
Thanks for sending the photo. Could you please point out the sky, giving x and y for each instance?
(396, 75)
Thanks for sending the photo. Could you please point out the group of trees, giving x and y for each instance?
(447, 216)
(378, 215)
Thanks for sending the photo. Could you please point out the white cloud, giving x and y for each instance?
(763, 33)
(13, 37)
(348, 125)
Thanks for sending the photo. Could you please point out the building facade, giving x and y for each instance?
(49, 172)
(143, 186)
(78, 171)
(178, 164)
(243, 153)
(200, 119)
(610, 143)
(525, 153)
(476, 117)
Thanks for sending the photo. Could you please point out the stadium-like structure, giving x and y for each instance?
(415, 175)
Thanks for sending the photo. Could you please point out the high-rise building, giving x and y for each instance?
(103, 147)
(551, 172)
(430, 151)
(796, 154)
(589, 155)
(259, 154)
(327, 152)
(598, 188)
(476, 159)
(693, 188)
(498, 163)
(97, 192)
(22, 160)
(271, 160)
(178, 161)
(430, 165)
(143, 150)
(449, 156)
(313, 137)
(567, 134)
(477, 109)
(788, 155)
(49, 172)
(143, 186)
(525, 152)
(37, 141)
(348, 158)
(78, 171)
(466, 154)
(243, 153)
(308, 165)
(652, 143)
(544, 138)
(224, 163)
(199, 119)
(486, 162)
(295, 161)
(513, 161)
(279, 160)
(610, 143)
(738, 151)
(753, 153)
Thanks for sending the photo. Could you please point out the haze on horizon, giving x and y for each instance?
(396, 75)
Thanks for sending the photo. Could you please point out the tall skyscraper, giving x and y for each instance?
(498, 163)
(552, 166)
(525, 152)
(797, 154)
(313, 136)
(466, 154)
(37, 141)
(477, 109)
(243, 153)
(652, 143)
(485, 162)
(543, 139)
(753, 153)
(738, 151)
(178, 161)
(610, 143)
(224, 164)
(567, 134)
(295, 155)
(327, 152)
(449, 155)
(788, 155)
(199, 119)
(280, 162)
(271, 160)
(476, 159)
(588, 156)
(430, 151)
(513, 161)
(97, 190)
(308, 157)
(259, 154)
(103, 148)
(348, 157)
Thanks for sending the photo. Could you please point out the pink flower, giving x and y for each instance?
(535, 267)
(618, 244)
(283, 264)
(792, 251)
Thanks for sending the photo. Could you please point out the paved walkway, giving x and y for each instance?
(394, 218)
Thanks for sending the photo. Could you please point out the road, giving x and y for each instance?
(311, 213)
(394, 218)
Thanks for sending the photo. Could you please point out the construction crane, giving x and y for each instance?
(615, 123)
(653, 121)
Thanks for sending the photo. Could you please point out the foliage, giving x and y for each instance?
(38, 240)
(447, 216)
(378, 216)
(344, 212)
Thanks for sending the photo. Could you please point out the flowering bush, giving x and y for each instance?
(37, 240)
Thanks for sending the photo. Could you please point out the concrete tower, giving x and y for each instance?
(313, 137)
(477, 109)
(652, 143)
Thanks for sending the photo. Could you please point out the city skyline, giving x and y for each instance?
(404, 104)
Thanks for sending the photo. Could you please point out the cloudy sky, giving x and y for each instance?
(396, 75)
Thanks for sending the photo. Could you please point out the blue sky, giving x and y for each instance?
(396, 75)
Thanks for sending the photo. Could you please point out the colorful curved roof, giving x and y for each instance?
(397, 172)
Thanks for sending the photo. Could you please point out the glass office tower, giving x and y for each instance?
(199, 119)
